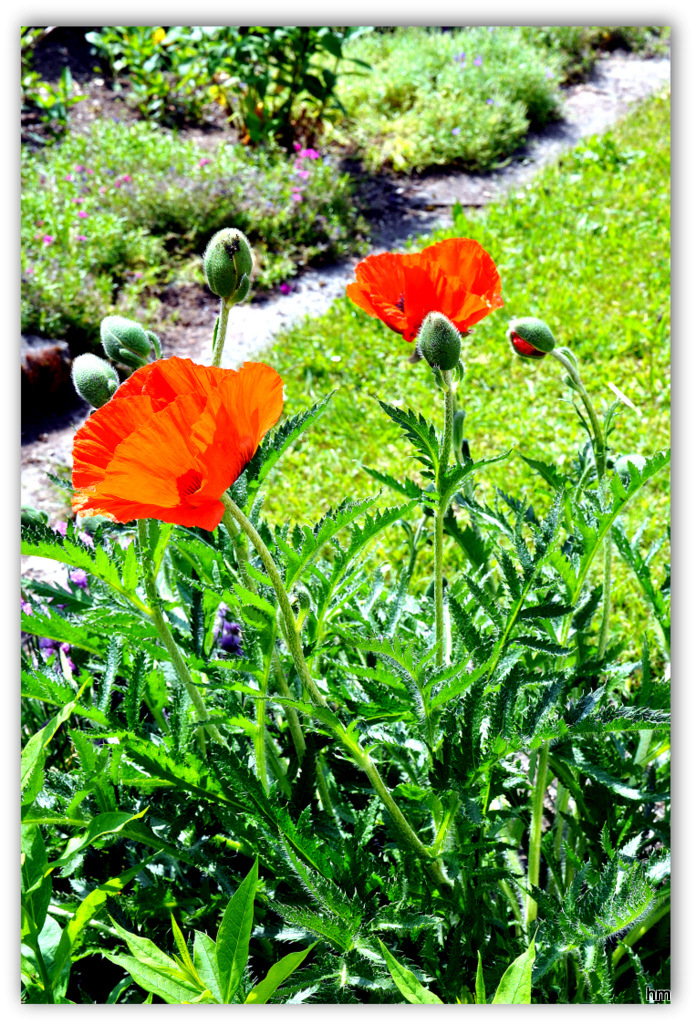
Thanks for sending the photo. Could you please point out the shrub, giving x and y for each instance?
(468, 96)
(106, 207)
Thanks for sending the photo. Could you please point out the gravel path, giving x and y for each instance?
(423, 204)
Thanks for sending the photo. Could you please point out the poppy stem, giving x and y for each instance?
(347, 739)
(600, 454)
(445, 451)
(165, 634)
(220, 333)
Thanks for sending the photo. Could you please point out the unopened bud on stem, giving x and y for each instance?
(125, 341)
(95, 380)
(228, 262)
(440, 342)
(530, 337)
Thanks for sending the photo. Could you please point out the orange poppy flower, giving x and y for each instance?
(456, 277)
(171, 441)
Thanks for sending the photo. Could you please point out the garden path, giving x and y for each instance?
(399, 209)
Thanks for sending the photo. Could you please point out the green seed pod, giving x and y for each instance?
(125, 341)
(530, 337)
(33, 516)
(228, 262)
(95, 380)
(439, 341)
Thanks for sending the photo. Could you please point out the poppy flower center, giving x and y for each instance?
(400, 304)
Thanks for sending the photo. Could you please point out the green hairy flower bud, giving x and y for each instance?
(95, 380)
(125, 341)
(439, 342)
(228, 262)
(530, 337)
(622, 465)
(33, 516)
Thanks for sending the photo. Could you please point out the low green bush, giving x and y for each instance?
(468, 96)
(101, 212)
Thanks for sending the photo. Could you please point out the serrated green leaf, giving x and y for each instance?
(171, 990)
(100, 825)
(205, 962)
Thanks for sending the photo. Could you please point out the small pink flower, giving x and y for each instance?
(297, 197)
(61, 527)
(126, 177)
(89, 171)
(138, 274)
(117, 184)
(311, 154)
(102, 191)
(48, 239)
(284, 288)
(204, 160)
(303, 174)
(82, 214)
(79, 167)
(29, 270)
(296, 146)
(68, 177)
(80, 238)
(86, 539)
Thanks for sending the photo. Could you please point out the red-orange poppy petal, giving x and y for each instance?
(172, 440)
(456, 277)
(96, 441)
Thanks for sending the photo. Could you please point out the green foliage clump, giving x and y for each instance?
(468, 96)
(578, 47)
(101, 212)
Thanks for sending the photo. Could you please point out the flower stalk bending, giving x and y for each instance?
(348, 742)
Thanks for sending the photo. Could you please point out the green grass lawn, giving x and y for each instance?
(586, 248)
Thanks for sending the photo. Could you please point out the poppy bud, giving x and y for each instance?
(33, 516)
(440, 342)
(228, 262)
(530, 337)
(95, 380)
(622, 466)
(125, 341)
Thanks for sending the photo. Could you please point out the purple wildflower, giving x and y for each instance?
(86, 539)
(61, 527)
(489, 101)
(456, 131)
(79, 578)
(227, 633)
(284, 288)
(459, 58)
(79, 167)
(478, 61)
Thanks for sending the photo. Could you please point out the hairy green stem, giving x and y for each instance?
(534, 859)
(348, 742)
(445, 451)
(600, 454)
(219, 344)
(239, 542)
(165, 634)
